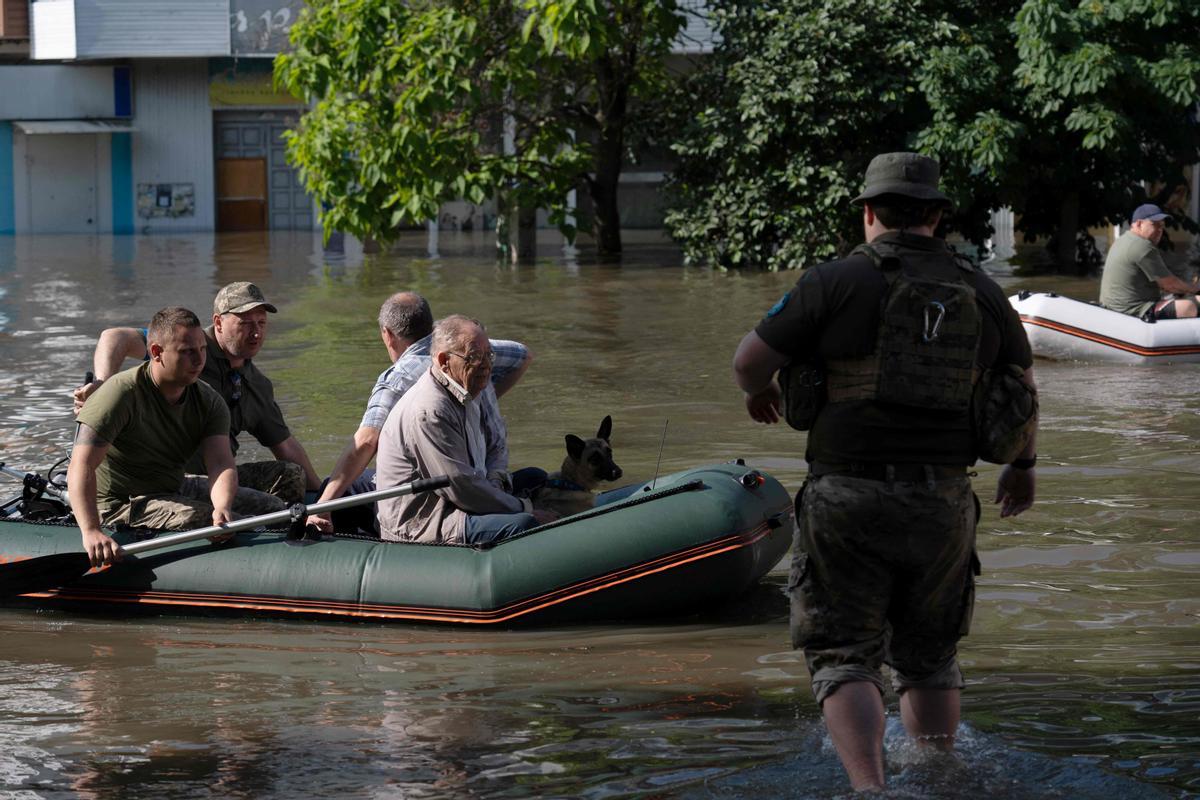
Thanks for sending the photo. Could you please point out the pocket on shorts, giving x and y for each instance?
(968, 601)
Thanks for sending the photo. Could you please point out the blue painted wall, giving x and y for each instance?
(8, 217)
(122, 183)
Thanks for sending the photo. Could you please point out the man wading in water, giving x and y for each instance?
(884, 557)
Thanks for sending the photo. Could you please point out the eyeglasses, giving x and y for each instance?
(236, 379)
(474, 359)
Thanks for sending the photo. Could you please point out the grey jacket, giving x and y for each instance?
(425, 435)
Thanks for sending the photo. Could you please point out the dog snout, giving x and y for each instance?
(615, 473)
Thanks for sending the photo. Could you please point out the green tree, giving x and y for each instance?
(1057, 108)
(418, 102)
(795, 100)
(1066, 111)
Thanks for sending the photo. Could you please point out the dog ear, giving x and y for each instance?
(575, 446)
(605, 429)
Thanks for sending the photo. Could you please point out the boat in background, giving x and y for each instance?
(684, 543)
(1071, 330)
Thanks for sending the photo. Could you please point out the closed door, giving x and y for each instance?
(238, 137)
(61, 170)
(241, 194)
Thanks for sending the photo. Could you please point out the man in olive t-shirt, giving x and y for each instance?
(1136, 277)
(136, 434)
(237, 333)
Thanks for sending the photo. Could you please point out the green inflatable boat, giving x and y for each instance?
(693, 540)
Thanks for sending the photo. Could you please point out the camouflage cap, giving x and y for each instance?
(238, 297)
(906, 174)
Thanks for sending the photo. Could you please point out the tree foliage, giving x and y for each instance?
(797, 97)
(411, 101)
(1056, 108)
(1087, 103)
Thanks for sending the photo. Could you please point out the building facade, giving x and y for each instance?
(143, 116)
(124, 116)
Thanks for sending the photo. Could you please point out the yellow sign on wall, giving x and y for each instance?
(245, 82)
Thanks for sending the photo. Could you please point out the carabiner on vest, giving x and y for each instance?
(935, 312)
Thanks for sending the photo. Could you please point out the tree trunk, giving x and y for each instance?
(516, 231)
(526, 250)
(609, 151)
(503, 228)
(1068, 228)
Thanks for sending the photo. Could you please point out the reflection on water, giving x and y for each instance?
(1083, 662)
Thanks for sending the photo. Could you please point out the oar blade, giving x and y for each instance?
(41, 573)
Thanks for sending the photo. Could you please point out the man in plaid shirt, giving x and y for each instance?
(406, 326)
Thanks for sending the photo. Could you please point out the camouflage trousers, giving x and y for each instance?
(883, 573)
(263, 487)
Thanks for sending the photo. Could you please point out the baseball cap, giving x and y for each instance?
(238, 297)
(1149, 211)
(906, 174)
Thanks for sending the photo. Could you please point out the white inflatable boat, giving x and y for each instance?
(1066, 329)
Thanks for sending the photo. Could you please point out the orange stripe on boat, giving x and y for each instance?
(372, 611)
(1119, 344)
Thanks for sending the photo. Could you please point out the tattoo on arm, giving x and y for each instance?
(88, 436)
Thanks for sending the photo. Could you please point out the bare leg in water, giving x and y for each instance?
(854, 715)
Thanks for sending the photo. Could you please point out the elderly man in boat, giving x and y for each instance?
(406, 327)
(136, 433)
(436, 429)
(1136, 278)
(237, 334)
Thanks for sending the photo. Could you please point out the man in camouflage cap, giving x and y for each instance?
(237, 333)
(884, 560)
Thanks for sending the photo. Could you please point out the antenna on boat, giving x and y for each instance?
(660, 451)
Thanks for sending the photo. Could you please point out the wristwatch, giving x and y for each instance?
(1025, 463)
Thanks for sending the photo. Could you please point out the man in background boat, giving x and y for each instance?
(437, 428)
(1136, 277)
(237, 334)
(406, 327)
(136, 433)
(884, 554)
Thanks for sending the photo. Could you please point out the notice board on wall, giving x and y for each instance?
(166, 200)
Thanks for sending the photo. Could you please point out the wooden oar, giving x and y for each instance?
(46, 572)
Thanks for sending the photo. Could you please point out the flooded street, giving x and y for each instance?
(1083, 664)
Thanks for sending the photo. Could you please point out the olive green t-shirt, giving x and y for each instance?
(150, 439)
(1131, 271)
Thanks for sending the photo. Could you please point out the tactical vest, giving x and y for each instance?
(926, 346)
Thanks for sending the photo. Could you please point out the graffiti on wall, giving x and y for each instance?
(260, 27)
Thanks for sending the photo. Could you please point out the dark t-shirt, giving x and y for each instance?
(833, 312)
(250, 398)
(252, 405)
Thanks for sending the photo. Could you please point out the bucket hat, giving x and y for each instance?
(906, 174)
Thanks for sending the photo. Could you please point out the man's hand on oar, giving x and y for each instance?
(101, 548)
(40, 573)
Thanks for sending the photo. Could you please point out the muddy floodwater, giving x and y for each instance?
(1083, 665)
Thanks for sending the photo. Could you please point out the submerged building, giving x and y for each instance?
(124, 116)
(143, 116)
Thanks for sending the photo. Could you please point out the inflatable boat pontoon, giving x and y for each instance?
(696, 538)
(1064, 329)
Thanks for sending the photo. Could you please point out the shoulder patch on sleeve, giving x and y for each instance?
(779, 305)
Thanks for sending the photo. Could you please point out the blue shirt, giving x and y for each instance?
(414, 362)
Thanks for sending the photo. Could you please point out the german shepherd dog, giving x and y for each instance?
(588, 462)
